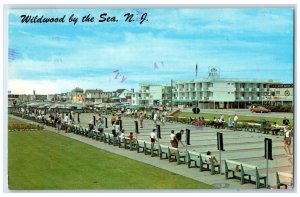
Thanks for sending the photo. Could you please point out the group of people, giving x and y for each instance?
(159, 116)
(117, 131)
(218, 122)
(198, 122)
(175, 139)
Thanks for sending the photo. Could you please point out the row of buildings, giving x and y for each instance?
(212, 92)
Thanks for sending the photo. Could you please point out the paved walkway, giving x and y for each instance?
(244, 112)
(241, 146)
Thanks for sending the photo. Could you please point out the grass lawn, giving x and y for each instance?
(12, 120)
(241, 118)
(40, 160)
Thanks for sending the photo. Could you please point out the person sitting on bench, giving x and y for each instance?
(212, 159)
(131, 137)
(275, 129)
(214, 123)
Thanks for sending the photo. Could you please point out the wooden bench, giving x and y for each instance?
(129, 144)
(76, 129)
(252, 171)
(163, 150)
(180, 157)
(193, 157)
(106, 137)
(152, 150)
(85, 132)
(121, 142)
(140, 146)
(98, 135)
(94, 134)
(253, 127)
(112, 140)
(205, 163)
(231, 166)
(283, 183)
(172, 154)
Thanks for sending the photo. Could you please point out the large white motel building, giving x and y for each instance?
(214, 92)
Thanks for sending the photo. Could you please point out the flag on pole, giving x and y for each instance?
(196, 70)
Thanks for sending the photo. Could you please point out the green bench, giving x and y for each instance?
(172, 154)
(163, 151)
(280, 183)
(121, 142)
(205, 164)
(76, 129)
(193, 157)
(140, 146)
(250, 171)
(85, 132)
(112, 140)
(152, 150)
(177, 155)
(106, 137)
(129, 144)
(231, 166)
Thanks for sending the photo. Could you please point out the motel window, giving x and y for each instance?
(277, 92)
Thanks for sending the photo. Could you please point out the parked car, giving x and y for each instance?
(260, 110)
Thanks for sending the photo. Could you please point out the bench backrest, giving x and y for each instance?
(110, 135)
(249, 166)
(192, 154)
(121, 139)
(233, 162)
(148, 145)
(243, 165)
(161, 147)
(140, 143)
(288, 175)
(206, 158)
(230, 163)
(172, 150)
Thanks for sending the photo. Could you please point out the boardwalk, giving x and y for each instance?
(239, 146)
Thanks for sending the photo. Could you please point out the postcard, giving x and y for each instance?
(147, 98)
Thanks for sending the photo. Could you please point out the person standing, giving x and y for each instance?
(99, 126)
(155, 118)
(66, 121)
(152, 114)
(285, 121)
(172, 138)
(141, 119)
(287, 140)
(113, 119)
(58, 123)
(163, 117)
(235, 119)
(153, 137)
(229, 122)
(178, 138)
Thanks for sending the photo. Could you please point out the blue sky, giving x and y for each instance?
(251, 43)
